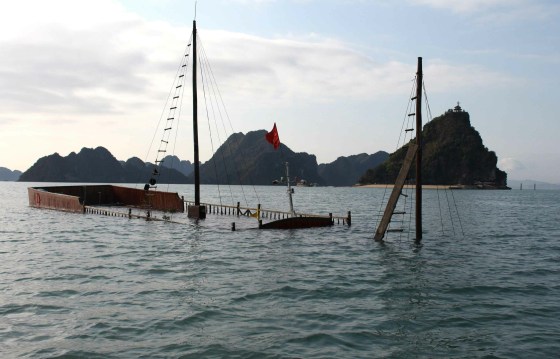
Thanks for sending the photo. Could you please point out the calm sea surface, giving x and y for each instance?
(74, 286)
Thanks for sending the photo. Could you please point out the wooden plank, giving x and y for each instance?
(397, 188)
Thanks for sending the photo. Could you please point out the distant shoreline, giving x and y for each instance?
(432, 186)
(426, 186)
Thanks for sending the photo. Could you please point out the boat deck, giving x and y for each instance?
(126, 202)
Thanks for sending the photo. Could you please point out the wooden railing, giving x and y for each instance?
(238, 210)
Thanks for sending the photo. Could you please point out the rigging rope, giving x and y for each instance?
(180, 107)
(221, 104)
(186, 51)
(450, 214)
(427, 103)
(407, 127)
(458, 216)
(209, 83)
(454, 202)
(210, 131)
(440, 213)
(404, 127)
(412, 202)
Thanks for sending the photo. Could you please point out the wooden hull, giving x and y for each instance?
(41, 198)
(298, 222)
(74, 198)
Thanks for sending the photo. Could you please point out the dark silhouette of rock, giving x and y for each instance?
(250, 160)
(89, 165)
(246, 159)
(346, 171)
(173, 162)
(9, 175)
(95, 166)
(453, 153)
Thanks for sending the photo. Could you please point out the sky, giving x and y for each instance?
(334, 75)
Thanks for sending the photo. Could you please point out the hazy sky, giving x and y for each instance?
(335, 75)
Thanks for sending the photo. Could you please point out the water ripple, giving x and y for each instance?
(74, 286)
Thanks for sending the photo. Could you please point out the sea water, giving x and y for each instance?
(75, 285)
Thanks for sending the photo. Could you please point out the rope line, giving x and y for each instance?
(221, 105)
(404, 126)
(458, 216)
(440, 212)
(216, 109)
(165, 106)
(210, 131)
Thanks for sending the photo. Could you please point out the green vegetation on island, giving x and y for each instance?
(453, 154)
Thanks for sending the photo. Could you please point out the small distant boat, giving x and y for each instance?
(304, 183)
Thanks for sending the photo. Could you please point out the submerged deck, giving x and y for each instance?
(267, 214)
(118, 201)
(77, 198)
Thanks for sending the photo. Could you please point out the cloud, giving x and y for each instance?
(468, 6)
(319, 69)
(64, 50)
(108, 65)
(79, 74)
(510, 164)
(286, 69)
(86, 63)
(496, 10)
(446, 76)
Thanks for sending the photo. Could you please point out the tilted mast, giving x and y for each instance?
(414, 149)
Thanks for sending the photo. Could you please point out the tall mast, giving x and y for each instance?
(195, 211)
(419, 151)
(195, 124)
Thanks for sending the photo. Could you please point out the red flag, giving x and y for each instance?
(273, 138)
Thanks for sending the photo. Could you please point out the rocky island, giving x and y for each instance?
(243, 159)
(453, 154)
